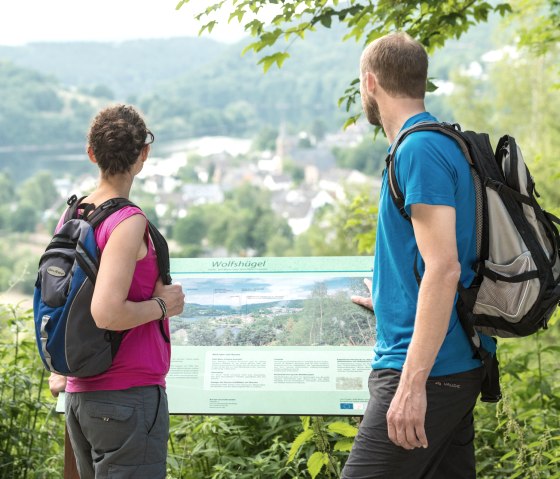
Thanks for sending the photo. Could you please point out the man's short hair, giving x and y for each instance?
(400, 64)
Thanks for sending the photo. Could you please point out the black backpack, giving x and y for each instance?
(517, 283)
(68, 339)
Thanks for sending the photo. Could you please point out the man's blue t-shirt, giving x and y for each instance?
(430, 169)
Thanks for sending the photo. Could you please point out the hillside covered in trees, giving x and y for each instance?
(187, 87)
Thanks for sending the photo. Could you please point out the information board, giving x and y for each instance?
(274, 336)
(271, 336)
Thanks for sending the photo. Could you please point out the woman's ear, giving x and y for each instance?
(145, 153)
(91, 155)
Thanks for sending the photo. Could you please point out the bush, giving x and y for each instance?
(31, 433)
(241, 447)
(518, 437)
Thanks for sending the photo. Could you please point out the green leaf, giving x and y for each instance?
(254, 27)
(208, 26)
(278, 19)
(305, 422)
(344, 445)
(342, 428)
(508, 455)
(326, 21)
(553, 348)
(316, 463)
(351, 121)
(298, 30)
(270, 60)
(269, 38)
(299, 441)
(430, 86)
(239, 14)
(181, 3)
(517, 474)
(251, 46)
(503, 8)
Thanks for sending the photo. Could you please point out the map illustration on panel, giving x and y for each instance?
(273, 310)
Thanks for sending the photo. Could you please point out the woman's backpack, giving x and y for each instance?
(69, 341)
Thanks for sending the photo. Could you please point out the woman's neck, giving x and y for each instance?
(117, 186)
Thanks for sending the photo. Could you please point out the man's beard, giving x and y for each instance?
(371, 109)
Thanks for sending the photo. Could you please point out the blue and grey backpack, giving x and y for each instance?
(68, 339)
(516, 288)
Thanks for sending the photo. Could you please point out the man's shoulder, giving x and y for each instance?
(429, 146)
(428, 141)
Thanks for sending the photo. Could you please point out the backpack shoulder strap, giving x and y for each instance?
(94, 215)
(106, 209)
(162, 252)
(72, 211)
(452, 130)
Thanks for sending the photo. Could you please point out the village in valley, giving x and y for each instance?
(300, 173)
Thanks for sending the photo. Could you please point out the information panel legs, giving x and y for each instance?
(70, 469)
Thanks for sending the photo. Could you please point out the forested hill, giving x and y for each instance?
(186, 87)
(231, 94)
(126, 68)
(35, 110)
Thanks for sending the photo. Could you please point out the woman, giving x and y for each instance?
(118, 421)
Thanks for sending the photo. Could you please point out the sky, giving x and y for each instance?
(27, 21)
(241, 291)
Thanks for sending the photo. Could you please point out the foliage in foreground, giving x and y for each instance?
(519, 437)
(432, 22)
(31, 433)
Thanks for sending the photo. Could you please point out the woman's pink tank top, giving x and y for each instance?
(143, 358)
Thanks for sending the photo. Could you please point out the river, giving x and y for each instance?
(71, 160)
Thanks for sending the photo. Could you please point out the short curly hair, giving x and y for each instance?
(117, 135)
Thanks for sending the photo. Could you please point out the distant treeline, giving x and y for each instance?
(187, 87)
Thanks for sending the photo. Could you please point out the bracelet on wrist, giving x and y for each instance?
(162, 305)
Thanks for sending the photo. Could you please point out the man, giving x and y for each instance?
(425, 381)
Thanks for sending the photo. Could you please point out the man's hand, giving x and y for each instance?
(363, 300)
(406, 415)
(57, 384)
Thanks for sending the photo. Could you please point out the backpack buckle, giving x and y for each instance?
(479, 268)
(108, 204)
(403, 213)
(454, 126)
(494, 184)
(70, 201)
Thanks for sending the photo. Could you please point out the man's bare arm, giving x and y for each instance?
(434, 229)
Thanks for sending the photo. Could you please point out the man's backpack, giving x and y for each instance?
(68, 339)
(517, 284)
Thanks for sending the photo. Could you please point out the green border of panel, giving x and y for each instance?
(335, 264)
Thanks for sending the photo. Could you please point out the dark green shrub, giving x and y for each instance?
(31, 433)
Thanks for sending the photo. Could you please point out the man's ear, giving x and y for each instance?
(371, 82)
